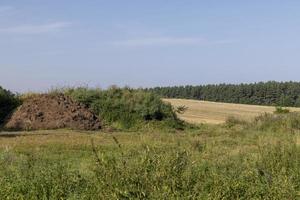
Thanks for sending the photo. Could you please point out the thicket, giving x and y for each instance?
(262, 93)
(8, 102)
(125, 107)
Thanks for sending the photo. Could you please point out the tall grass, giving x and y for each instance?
(278, 122)
(282, 122)
(212, 162)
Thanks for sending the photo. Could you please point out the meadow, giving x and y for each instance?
(236, 160)
(145, 151)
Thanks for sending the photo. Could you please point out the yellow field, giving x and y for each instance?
(216, 113)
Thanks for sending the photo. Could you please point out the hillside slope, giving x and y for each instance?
(216, 113)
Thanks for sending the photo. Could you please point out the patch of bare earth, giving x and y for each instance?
(52, 111)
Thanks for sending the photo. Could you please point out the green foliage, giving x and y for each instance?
(181, 109)
(278, 122)
(233, 121)
(125, 107)
(8, 102)
(183, 167)
(28, 176)
(282, 121)
(268, 93)
(241, 160)
(280, 110)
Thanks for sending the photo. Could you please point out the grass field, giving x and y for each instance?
(207, 162)
(216, 113)
(235, 160)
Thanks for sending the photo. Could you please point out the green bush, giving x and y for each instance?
(125, 107)
(8, 102)
(280, 110)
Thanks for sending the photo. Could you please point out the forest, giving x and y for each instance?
(262, 93)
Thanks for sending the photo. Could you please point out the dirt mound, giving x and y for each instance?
(52, 112)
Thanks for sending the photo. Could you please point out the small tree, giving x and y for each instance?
(297, 102)
(280, 110)
(8, 102)
(181, 109)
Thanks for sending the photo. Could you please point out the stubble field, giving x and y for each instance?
(217, 113)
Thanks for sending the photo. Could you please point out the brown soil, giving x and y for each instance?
(49, 111)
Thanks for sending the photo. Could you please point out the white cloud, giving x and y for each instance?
(36, 29)
(161, 41)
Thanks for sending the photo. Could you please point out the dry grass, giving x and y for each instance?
(76, 139)
(64, 164)
(216, 113)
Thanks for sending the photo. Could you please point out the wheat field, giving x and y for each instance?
(217, 113)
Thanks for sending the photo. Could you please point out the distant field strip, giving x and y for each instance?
(216, 113)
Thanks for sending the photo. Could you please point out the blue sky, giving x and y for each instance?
(51, 43)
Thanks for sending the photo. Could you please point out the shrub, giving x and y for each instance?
(181, 109)
(231, 121)
(278, 122)
(280, 110)
(124, 106)
(8, 102)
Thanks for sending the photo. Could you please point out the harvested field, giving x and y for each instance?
(216, 113)
(48, 111)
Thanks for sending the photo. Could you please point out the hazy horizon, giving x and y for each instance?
(146, 44)
(98, 86)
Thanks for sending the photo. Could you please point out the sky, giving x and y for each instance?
(139, 43)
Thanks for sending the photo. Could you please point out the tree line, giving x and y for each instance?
(262, 93)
